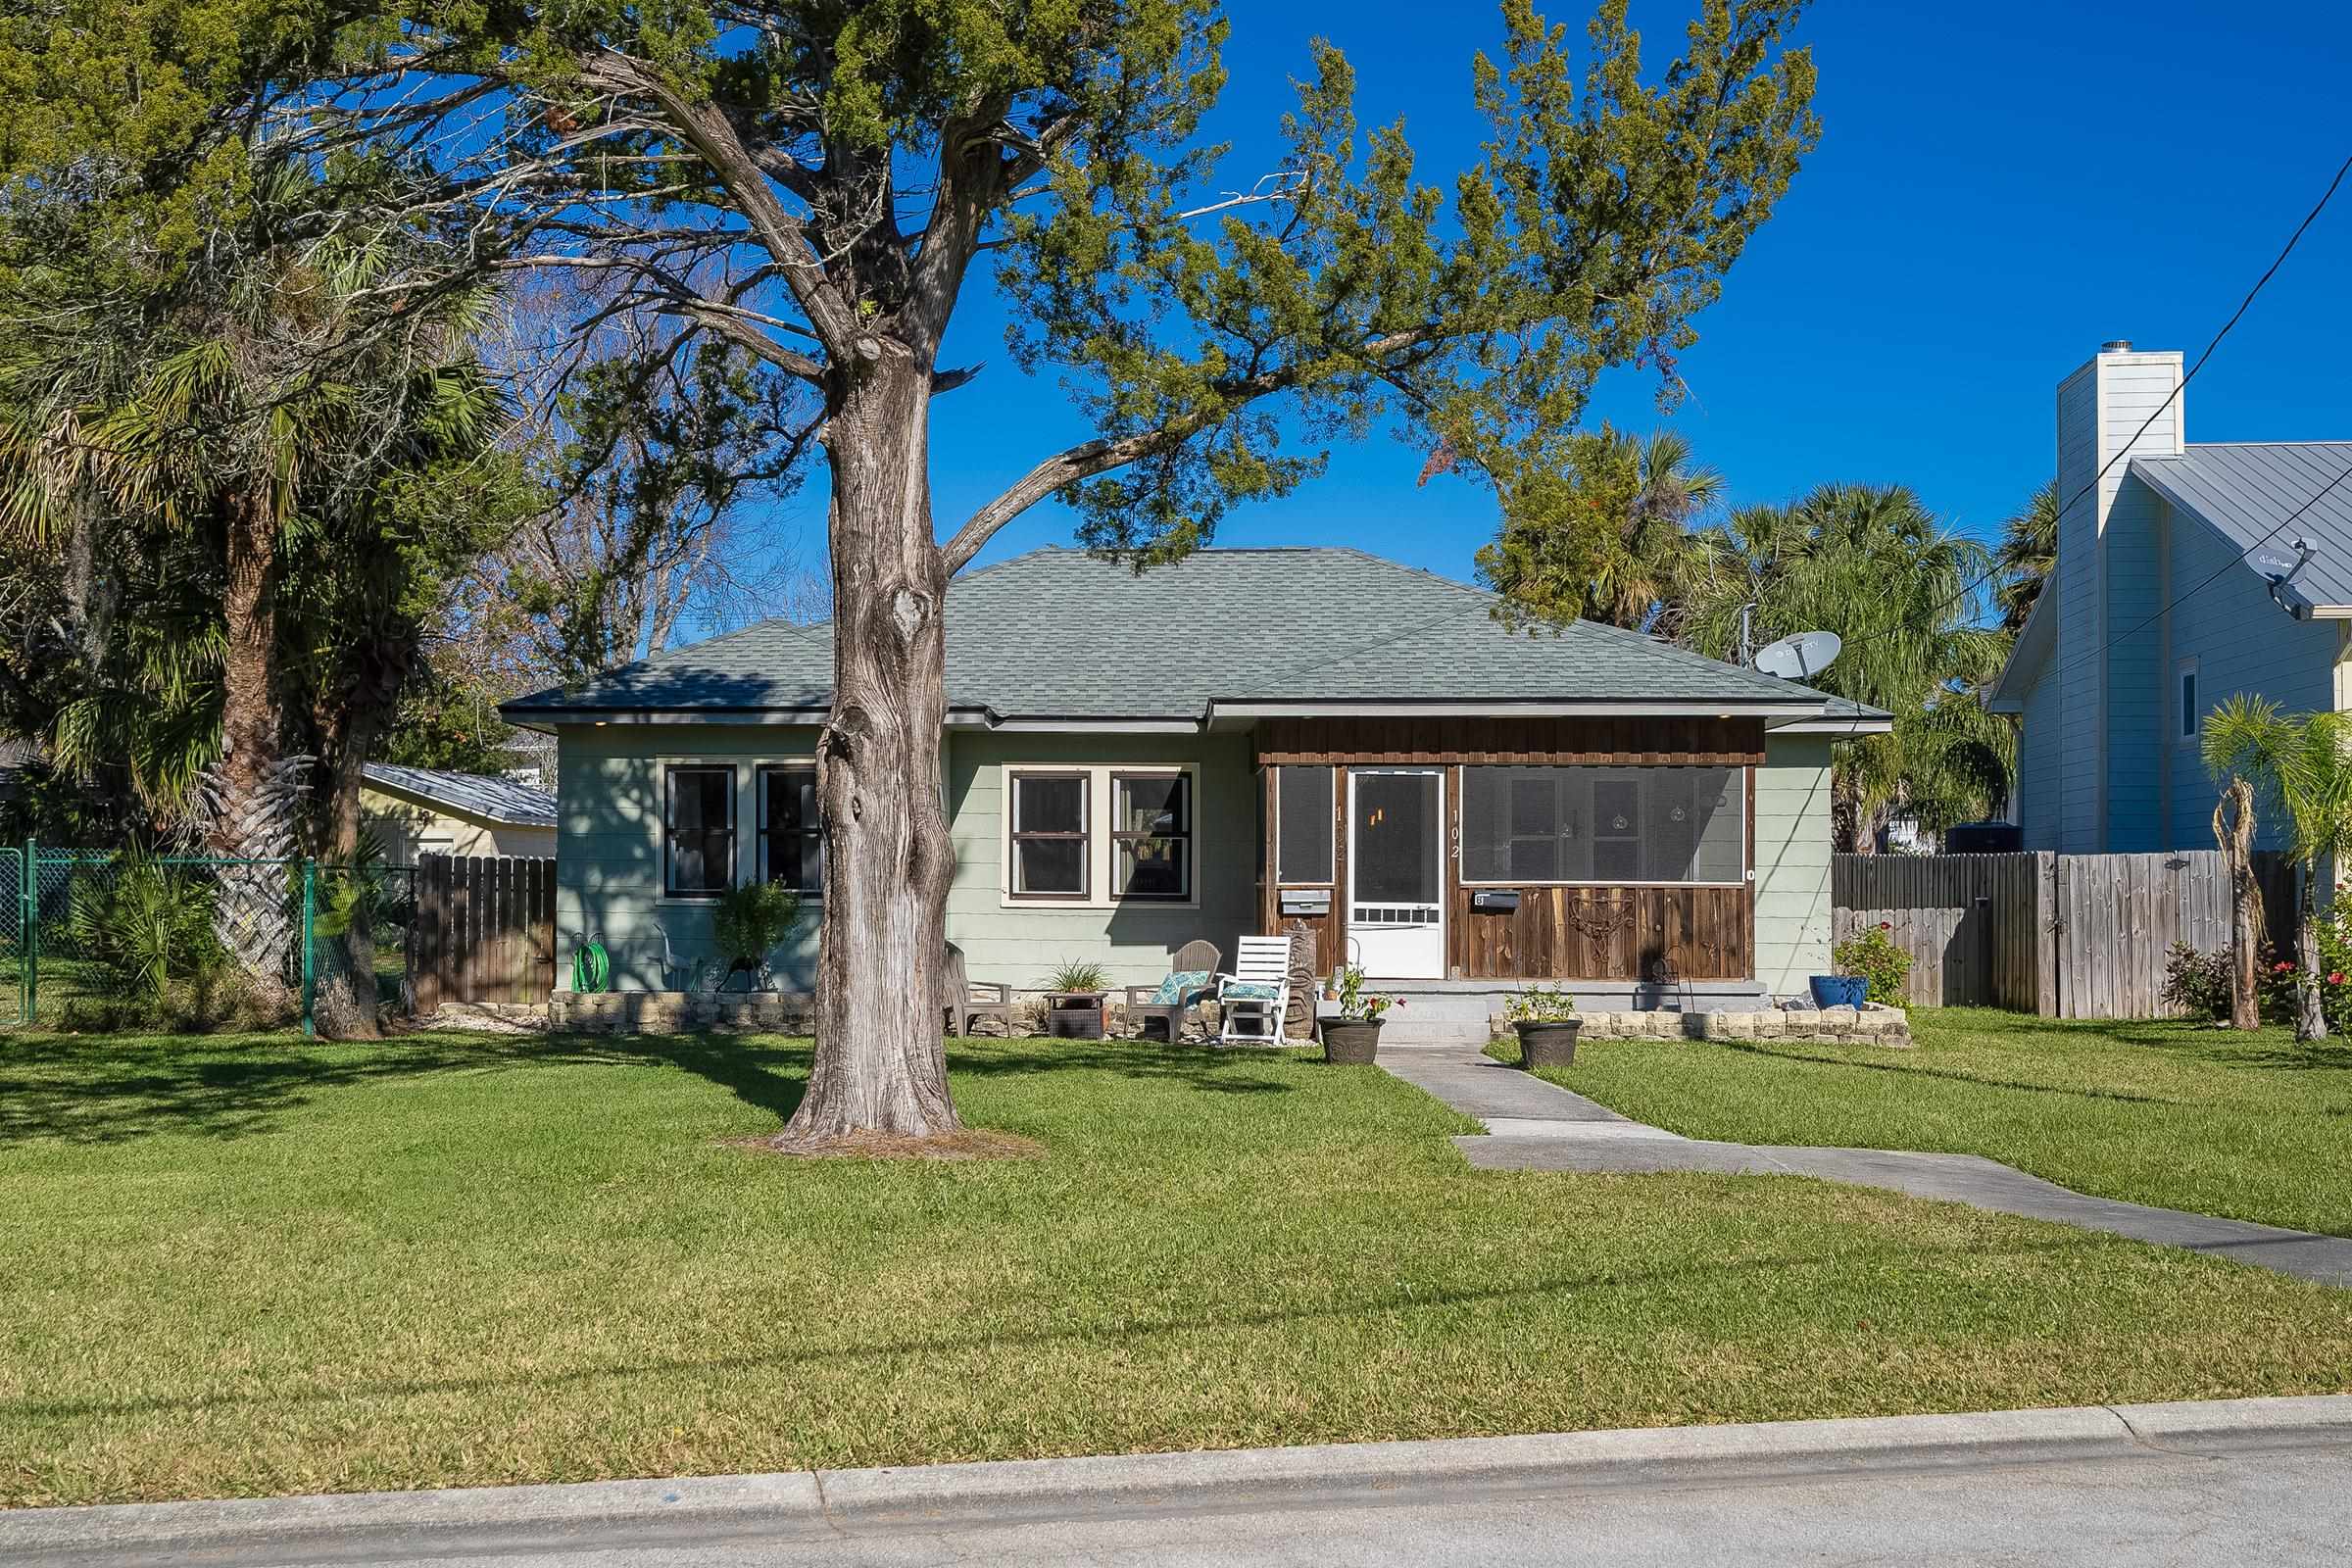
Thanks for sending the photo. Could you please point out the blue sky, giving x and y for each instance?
(1999, 188)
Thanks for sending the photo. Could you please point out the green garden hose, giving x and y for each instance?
(591, 967)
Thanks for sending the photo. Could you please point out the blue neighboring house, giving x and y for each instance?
(2189, 573)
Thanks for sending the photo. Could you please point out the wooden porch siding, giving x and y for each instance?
(1530, 742)
(1602, 933)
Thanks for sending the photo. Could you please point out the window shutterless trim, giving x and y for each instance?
(1183, 835)
(669, 831)
(811, 835)
(1083, 838)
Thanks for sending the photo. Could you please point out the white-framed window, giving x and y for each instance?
(2188, 718)
(698, 829)
(1614, 826)
(1050, 849)
(729, 819)
(1101, 836)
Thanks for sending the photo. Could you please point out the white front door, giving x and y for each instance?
(1396, 871)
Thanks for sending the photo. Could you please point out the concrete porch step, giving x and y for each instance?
(1402, 1029)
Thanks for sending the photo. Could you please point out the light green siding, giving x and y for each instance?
(608, 853)
(609, 844)
(1019, 944)
(1792, 862)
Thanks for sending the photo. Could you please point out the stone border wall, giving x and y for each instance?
(1875, 1024)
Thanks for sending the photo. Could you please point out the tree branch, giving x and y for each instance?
(1104, 453)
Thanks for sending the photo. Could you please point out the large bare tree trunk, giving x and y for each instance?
(2234, 831)
(881, 1062)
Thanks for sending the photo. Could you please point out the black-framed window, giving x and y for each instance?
(1611, 825)
(698, 816)
(1304, 826)
(1152, 835)
(1050, 834)
(792, 841)
(2190, 716)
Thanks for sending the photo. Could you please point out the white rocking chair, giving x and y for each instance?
(1256, 996)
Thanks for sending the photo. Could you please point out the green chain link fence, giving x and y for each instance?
(104, 940)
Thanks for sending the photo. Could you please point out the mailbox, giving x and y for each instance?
(1498, 901)
(1306, 901)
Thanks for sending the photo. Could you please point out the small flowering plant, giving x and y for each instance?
(1356, 1005)
(1540, 1005)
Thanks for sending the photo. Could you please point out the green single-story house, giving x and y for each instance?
(1230, 743)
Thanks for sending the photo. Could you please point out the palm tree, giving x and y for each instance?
(2302, 765)
(1874, 566)
(2028, 555)
(1605, 534)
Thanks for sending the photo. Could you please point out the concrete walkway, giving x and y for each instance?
(1534, 1125)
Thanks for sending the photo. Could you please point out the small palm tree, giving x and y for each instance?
(2028, 555)
(1873, 565)
(2302, 765)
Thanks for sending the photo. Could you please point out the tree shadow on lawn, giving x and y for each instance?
(1107, 1334)
(1913, 1070)
(94, 1089)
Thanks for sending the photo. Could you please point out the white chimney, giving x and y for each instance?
(2123, 404)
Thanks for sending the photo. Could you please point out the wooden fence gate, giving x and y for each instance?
(2066, 936)
(485, 930)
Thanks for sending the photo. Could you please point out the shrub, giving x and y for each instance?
(147, 927)
(1078, 977)
(2198, 983)
(1874, 955)
(751, 919)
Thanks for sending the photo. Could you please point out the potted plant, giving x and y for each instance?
(1074, 1001)
(747, 923)
(1545, 1018)
(1869, 965)
(1353, 1039)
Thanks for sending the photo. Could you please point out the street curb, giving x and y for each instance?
(1249, 1478)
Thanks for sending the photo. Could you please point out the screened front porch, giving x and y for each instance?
(1617, 851)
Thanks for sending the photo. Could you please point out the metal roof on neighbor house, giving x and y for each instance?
(1060, 635)
(475, 795)
(2248, 490)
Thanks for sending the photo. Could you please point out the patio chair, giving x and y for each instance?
(1191, 976)
(1257, 995)
(962, 999)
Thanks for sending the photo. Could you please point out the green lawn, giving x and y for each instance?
(2179, 1114)
(264, 1266)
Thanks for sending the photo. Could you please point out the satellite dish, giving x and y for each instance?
(1799, 658)
(2278, 564)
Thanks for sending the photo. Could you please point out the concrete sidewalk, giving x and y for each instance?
(2128, 1470)
(1535, 1125)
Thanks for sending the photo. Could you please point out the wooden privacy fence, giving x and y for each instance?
(2065, 936)
(485, 930)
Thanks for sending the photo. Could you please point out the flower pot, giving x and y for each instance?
(1547, 1043)
(1840, 990)
(1352, 1042)
(1074, 1015)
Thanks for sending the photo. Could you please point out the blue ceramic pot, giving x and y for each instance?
(1840, 990)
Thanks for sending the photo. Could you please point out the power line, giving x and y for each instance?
(2225, 569)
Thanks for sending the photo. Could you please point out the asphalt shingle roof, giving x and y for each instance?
(494, 799)
(2248, 490)
(1062, 634)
